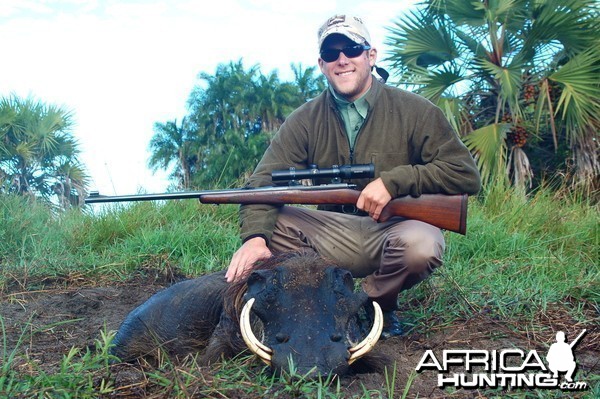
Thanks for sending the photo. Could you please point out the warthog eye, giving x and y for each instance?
(282, 338)
(336, 337)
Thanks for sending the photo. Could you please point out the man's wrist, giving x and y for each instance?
(253, 236)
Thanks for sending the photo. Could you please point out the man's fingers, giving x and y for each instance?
(236, 266)
(373, 198)
(236, 271)
(369, 205)
(245, 257)
(375, 211)
(360, 204)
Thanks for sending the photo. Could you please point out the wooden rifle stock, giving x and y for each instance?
(447, 212)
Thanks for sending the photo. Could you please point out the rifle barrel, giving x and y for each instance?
(95, 197)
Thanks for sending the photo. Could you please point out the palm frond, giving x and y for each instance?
(476, 47)
(509, 80)
(563, 21)
(461, 12)
(579, 103)
(488, 144)
(454, 110)
(420, 42)
(437, 83)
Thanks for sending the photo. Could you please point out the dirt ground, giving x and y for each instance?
(65, 314)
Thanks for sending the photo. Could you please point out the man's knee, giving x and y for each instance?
(420, 248)
(287, 235)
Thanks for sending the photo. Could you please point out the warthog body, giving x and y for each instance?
(304, 309)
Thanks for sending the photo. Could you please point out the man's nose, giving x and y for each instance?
(342, 59)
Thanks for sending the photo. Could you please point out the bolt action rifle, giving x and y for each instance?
(447, 212)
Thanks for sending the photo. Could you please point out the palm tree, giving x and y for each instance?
(273, 101)
(305, 80)
(69, 185)
(174, 144)
(225, 97)
(38, 154)
(235, 114)
(232, 117)
(510, 75)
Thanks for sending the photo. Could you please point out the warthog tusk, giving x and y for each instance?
(369, 342)
(257, 347)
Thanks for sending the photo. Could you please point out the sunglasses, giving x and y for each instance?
(332, 54)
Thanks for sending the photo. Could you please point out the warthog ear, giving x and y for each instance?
(340, 279)
(257, 282)
(342, 283)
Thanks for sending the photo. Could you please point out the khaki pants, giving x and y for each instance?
(392, 256)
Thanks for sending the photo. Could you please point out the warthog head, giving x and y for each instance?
(307, 313)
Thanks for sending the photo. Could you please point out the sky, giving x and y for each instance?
(120, 66)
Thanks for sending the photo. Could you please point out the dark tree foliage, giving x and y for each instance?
(233, 115)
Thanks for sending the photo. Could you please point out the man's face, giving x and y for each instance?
(349, 77)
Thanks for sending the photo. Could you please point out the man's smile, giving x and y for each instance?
(344, 73)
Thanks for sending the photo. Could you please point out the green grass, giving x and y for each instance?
(522, 257)
(115, 241)
(87, 374)
(519, 256)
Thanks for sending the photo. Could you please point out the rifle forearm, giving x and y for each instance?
(444, 211)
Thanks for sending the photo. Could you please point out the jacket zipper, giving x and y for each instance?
(351, 145)
(356, 138)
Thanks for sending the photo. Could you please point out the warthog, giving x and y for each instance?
(305, 310)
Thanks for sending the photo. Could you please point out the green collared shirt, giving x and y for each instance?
(353, 114)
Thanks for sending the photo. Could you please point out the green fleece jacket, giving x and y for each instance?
(407, 138)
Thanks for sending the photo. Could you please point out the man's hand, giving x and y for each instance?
(251, 251)
(373, 198)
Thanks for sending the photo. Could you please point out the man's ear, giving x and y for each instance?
(372, 57)
(321, 63)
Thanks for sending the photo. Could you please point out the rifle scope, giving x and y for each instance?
(359, 171)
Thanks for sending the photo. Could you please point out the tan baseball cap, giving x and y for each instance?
(351, 27)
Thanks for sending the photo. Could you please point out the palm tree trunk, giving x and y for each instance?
(586, 156)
